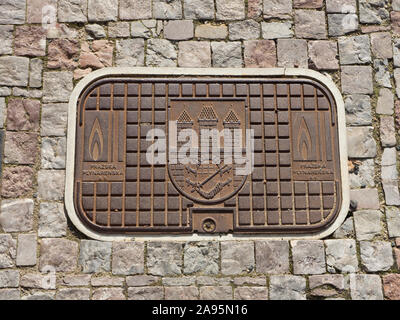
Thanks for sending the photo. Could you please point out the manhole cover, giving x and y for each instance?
(257, 152)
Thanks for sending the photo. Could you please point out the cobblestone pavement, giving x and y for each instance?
(42, 256)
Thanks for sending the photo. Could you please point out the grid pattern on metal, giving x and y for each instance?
(294, 188)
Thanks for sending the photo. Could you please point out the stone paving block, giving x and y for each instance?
(100, 53)
(39, 296)
(385, 102)
(181, 293)
(12, 11)
(208, 31)
(102, 10)
(119, 29)
(308, 257)
(128, 258)
(237, 257)
(361, 143)
(354, 50)
(9, 278)
(30, 41)
(108, 294)
(201, 257)
(281, 9)
(195, 54)
(213, 281)
(381, 45)
(80, 280)
(26, 250)
(35, 76)
(178, 30)
(52, 220)
(179, 281)
(73, 294)
(276, 30)
(10, 294)
(382, 73)
(57, 86)
(26, 93)
(17, 181)
(37, 281)
(292, 53)
(54, 119)
(107, 281)
(244, 30)
(37, 10)
(341, 6)
(250, 293)
(51, 184)
(337, 281)
(20, 147)
(396, 52)
(340, 24)
(146, 293)
(393, 221)
(16, 215)
(6, 38)
(132, 10)
(227, 54)
(141, 280)
(395, 22)
(95, 31)
(230, 10)
(160, 53)
(259, 54)
(216, 293)
(62, 53)
(387, 132)
(250, 281)
(60, 254)
(254, 8)
(310, 24)
(8, 248)
(368, 224)
(389, 177)
(129, 53)
(272, 257)
(346, 230)
(358, 110)
(376, 256)
(391, 286)
(323, 54)
(341, 256)
(194, 9)
(373, 12)
(365, 287)
(366, 198)
(14, 71)
(308, 4)
(287, 288)
(167, 9)
(72, 11)
(95, 256)
(53, 152)
(164, 258)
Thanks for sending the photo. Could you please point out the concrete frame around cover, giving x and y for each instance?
(256, 72)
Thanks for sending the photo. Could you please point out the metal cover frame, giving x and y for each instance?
(154, 72)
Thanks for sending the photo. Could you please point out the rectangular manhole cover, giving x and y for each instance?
(255, 153)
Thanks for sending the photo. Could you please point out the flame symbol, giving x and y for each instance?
(96, 141)
(304, 140)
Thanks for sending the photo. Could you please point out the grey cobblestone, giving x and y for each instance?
(237, 258)
(341, 256)
(292, 53)
(181, 293)
(52, 220)
(308, 257)
(216, 293)
(73, 294)
(129, 53)
(376, 256)
(230, 10)
(26, 251)
(194, 9)
(385, 102)
(367, 224)
(276, 30)
(108, 294)
(194, 54)
(140, 9)
(8, 247)
(366, 198)
(179, 30)
(128, 258)
(164, 258)
(51, 184)
(244, 30)
(272, 257)
(16, 215)
(167, 9)
(160, 53)
(226, 54)
(310, 24)
(201, 257)
(287, 288)
(146, 293)
(358, 110)
(58, 253)
(366, 287)
(9, 278)
(103, 10)
(95, 256)
(251, 293)
(281, 9)
(361, 143)
(393, 221)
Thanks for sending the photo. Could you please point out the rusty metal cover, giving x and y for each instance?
(295, 184)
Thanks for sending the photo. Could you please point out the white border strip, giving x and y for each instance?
(256, 72)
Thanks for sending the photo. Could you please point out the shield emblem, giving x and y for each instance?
(204, 137)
